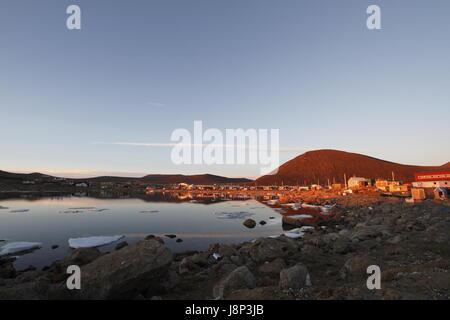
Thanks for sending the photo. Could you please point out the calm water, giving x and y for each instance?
(195, 223)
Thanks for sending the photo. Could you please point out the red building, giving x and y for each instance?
(439, 179)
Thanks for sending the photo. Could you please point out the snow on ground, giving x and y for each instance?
(15, 247)
(91, 242)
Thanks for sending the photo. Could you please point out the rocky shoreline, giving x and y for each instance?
(409, 242)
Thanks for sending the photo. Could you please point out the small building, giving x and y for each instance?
(399, 188)
(385, 185)
(358, 182)
(418, 194)
(338, 186)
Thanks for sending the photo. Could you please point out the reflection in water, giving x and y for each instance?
(190, 217)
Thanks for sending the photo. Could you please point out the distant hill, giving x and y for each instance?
(151, 179)
(321, 165)
(22, 176)
(174, 178)
(193, 179)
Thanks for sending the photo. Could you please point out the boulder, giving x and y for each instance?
(294, 221)
(295, 278)
(356, 266)
(80, 257)
(273, 268)
(250, 223)
(122, 274)
(240, 278)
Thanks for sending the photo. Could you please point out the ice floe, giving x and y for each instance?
(233, 215)
(91, 242)
(82, 210)
(16, 247)
(19, 211)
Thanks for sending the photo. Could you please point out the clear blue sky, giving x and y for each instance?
(140, 69)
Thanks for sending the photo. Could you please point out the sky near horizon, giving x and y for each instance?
(104, 100)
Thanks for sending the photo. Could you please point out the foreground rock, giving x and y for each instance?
(123, 274)
(295, 278)
(240, 278)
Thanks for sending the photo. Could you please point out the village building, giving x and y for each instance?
(358, 182)
(432, 180)
(385, 185)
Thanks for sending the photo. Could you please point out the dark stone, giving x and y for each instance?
(250, 223)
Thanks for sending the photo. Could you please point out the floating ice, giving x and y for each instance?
(15, 247)
(233, 215)
(91, 242)
(82, 209)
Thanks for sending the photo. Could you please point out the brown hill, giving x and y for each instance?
(192, 179)
(174, 178)
(319, 166)
(151, 179)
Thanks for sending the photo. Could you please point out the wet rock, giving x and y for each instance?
(250, 223)
(179, 240)
(240, 278)
(121, 245)
(295, 278)
(55, 246)
(262, 222)
(171, 236)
